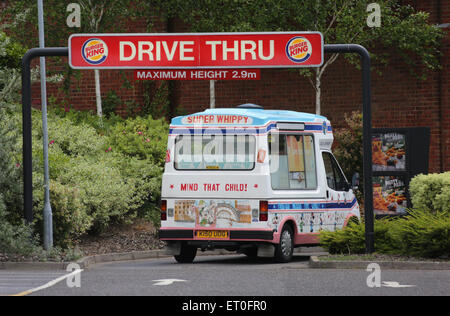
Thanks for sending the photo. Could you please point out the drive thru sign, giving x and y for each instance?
(199, 50)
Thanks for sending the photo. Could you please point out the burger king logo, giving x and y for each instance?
(298, 49)
(94, 51)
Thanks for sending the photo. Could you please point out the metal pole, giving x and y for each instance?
(47, 214)
(26, 122)
(367, 135)
(212, 94)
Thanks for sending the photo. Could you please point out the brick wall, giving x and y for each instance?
(398, 98)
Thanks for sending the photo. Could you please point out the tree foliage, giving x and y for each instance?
(404, 32)
(99, 16)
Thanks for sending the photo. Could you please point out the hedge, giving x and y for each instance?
(419, 234)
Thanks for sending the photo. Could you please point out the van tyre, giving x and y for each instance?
(187, 254)
(285, 249)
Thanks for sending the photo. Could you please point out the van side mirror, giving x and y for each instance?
(355, 181)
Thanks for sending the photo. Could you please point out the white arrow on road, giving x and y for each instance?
(167, 281)
(395, 284)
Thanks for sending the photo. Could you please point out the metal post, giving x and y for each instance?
(367, 135)
(26, 122)
(212, 94)
(47, 213)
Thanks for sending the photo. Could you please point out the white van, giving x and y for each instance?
(256, 181)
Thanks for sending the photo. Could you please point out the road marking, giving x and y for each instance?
(395, 284)
(49, 284)
(167, 281)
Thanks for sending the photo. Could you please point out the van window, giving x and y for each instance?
(335, 178)
(215, 152)
(292, 162)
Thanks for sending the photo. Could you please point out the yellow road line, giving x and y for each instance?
(49, 284)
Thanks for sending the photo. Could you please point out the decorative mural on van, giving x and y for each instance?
(311, 222)
(312, 217)
(213, 213)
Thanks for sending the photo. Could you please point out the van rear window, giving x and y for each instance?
(215, 152)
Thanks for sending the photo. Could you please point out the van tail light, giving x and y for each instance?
(168, 156)
(163, 210)
(263, 211)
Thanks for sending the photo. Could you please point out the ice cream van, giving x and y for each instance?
(256, 181)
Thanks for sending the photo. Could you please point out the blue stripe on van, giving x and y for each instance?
(237, 129)
(310, 206)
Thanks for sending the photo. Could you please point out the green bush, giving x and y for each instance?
(11, 52)
(142, 137)
(420, 234)
(423, 234)
(351, 240)
(431, 192)
(348, 143)
(11, 187)
(97, 177)
(16, 239)
(94, 182)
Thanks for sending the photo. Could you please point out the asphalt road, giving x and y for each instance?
(241, 276)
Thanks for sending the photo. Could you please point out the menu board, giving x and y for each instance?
(398, 154)
(389, 195)
(389, 152)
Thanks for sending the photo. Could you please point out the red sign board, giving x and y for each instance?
(198, 74)
(198, 50)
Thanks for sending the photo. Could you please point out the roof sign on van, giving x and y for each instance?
(291, 126)
(218, 119)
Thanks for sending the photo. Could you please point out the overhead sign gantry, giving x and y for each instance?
(196, 51)
(200, 51)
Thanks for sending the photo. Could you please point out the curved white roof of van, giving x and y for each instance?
(255, 117)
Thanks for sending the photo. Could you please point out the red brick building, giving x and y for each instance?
(399, 99)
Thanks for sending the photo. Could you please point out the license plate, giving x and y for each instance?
(216, 234)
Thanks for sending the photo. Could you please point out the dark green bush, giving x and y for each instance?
(423, 234)
(348, 144)
(419, 234)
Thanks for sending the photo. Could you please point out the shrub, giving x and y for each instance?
(72, 139)
(70, 214)
(18, 239)
(420, 234)
(351, 240)
(431, 192)
(142, 137)
(96, 179)
(348, 145)
(146, 178)
(93, 183)
(423, 234)
(11, 187)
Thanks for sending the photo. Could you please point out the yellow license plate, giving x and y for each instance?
(216, 234)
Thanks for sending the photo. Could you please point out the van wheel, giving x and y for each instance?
(285, 249)
(187, 254)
